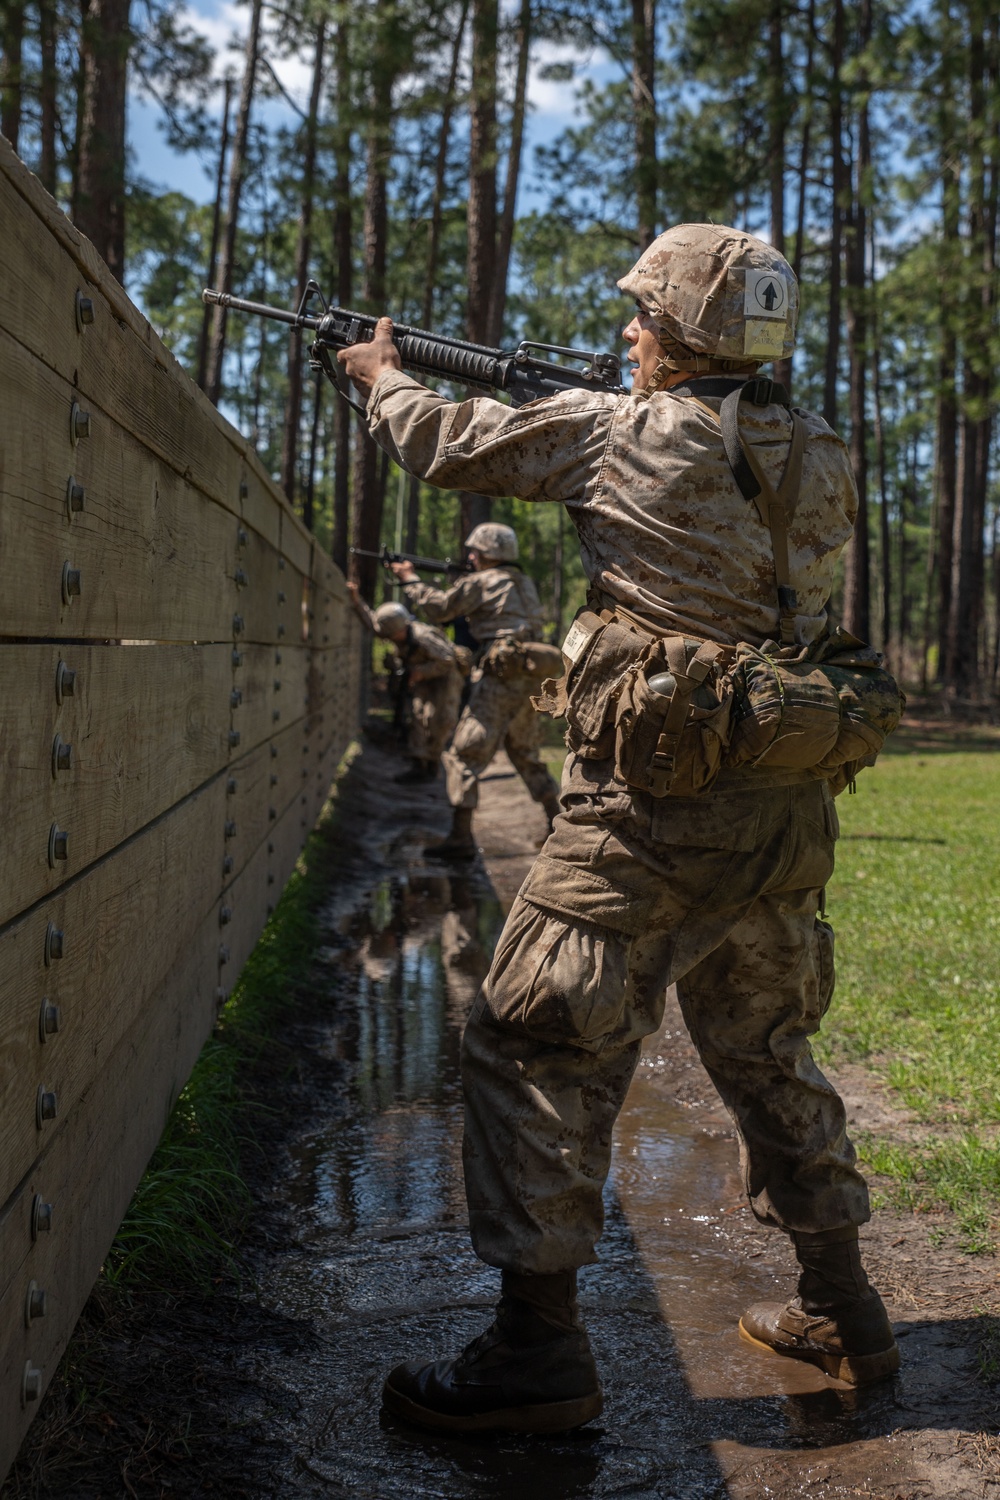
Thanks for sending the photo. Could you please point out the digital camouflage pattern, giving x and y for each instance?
(703, 284)
(434, 680)
(628, 895)
(499, 713)
(435, 684)
(494, 541)
(664, 530)
(720, 893)
(497, 601)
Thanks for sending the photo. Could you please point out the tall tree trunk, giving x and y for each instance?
(965, 616)
(49, 100)
(839, 186)
(885, 548)
(505, 233)
(12, 45)
(777, 123)
(946, 441)
(237, 172)
(100, 208)
(309, 496)
(343, 237)
(644, 118)
(369, 477)
(213, 253)
(482, 212)
(293, 404)
(857, 562)
(434, 242)
(440, 173)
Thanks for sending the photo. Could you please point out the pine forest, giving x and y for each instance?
(400, 170)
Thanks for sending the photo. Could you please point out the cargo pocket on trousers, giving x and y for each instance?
(558, 981)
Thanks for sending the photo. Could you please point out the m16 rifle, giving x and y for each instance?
(423, 564)
(525, 373)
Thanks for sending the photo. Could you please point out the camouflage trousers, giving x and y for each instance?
(721, 896)
(434, 713)
(497, 713)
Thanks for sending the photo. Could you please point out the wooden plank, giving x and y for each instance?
(272, 686)
(123, 924)
(146, 725)
(260, 786)
(117, 363)
(296, 542)
(89, 1171)
(157, 560)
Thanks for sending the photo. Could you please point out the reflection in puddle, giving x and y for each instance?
(390, 1271)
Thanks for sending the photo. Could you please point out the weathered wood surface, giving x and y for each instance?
(89, 1171)
(144, 726)
(157, 800)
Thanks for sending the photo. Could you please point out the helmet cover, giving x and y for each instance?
(718, 291)
(496, 542)
(389, 618)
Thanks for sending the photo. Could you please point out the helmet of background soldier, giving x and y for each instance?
(728, 297)
(392, 619)
(495, 542)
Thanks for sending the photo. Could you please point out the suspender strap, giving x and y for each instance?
(776, 507)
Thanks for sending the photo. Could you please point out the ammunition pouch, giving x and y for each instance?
(673, 745)
(510, 660)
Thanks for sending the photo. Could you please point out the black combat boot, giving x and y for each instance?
(459, 844)
(836, 1321)
(420, 771)
(531, 1371)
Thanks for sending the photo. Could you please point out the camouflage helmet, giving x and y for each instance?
(391, 618)
(498, 543)
(720, 292)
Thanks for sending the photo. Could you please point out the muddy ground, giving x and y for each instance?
(358, 1258)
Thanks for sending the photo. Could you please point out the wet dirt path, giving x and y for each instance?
(382, 1270)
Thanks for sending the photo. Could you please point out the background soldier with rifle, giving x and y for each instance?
(429, 685)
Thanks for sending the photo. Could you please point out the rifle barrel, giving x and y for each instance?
(262, 309)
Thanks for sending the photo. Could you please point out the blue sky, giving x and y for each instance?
(222, 22)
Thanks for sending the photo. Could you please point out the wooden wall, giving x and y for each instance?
(179, 679)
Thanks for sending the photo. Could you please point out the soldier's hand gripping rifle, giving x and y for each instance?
(423, 564)
(524, 373)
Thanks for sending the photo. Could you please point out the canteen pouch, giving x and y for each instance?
(673, 745)
(509, 659)
(826, 708)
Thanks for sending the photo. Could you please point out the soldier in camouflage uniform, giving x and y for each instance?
(429, 664)
(719, 893)
(501, 605)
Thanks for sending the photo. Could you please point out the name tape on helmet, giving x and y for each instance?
(766, 295)
(763, 339)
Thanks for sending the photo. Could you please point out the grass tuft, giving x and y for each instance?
(189, 1212)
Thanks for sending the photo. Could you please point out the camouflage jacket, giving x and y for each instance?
(498, 601)
(425, 646)
(664, 530)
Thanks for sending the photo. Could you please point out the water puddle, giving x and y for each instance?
(385, 1271)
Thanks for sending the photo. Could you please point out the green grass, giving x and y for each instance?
(916, 907)
(185, 1220)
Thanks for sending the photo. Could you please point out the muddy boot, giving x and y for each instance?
(837, 1321)
(531, 1371)
(420, 771)
(459, 844)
